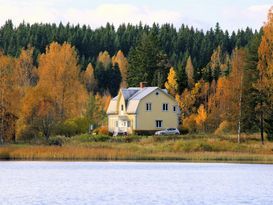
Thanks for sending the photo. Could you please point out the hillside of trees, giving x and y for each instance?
(59, 79)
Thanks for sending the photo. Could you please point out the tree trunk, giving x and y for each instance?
(262, 126)
(240, 110)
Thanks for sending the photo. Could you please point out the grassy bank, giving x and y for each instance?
(182, 148)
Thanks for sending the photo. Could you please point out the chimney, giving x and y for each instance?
(142, 84)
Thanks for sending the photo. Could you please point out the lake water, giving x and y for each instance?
(122, 183)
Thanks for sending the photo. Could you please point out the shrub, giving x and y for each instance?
(205, 147)
(103, 130)
(72, 127)
(183, 130)
(100, 138)
(56, 140)
(190, 124)
(224, 127)
(126, 138)
(28, 134)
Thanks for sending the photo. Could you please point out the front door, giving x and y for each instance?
(122, 126)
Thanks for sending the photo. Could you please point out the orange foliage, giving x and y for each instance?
(122, 62)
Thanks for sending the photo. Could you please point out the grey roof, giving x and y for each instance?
(132, 98)
(142, 93)
(127, 93)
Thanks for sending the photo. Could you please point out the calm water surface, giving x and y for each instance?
(121, 183)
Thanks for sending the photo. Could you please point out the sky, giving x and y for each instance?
(202, 14)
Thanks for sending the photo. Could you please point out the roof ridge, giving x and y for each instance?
(141, 91)
(137, 93)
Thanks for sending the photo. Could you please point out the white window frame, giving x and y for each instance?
(147, 106)
(174, 108)
(164, 106)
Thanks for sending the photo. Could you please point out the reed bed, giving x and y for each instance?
(181, 148)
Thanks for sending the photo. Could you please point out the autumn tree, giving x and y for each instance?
(40, 112)
(190, 73)
(225, 104)
(104, 58)
(88, 78)
(171, 84)
(201, 117)
(122, 62)
(265, 82)
(59, 95)
(9, 96)
(215, 63)
(24, 68)
(236, 80)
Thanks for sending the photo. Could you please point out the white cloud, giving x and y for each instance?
(261, 9)
(252, 16)
(119, 13)
(49, 11)
(33, 11)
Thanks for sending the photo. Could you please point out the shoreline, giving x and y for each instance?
(145, 161)
(186, 148)
(51, 153)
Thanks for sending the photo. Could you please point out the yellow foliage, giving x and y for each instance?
(189, 72)
(59, 75)
(190, 123)
(104, 58)
(171, 84)
(88, 78)
(201, 117)
(223, 128)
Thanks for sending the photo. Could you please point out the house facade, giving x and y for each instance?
(142, 109)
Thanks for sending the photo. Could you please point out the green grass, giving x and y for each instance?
(182, 148)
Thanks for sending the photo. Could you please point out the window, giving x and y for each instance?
(157, 93)
(129, 124)
(158, 123)
(165, 107)
(116, 123)
(148, 106)
(121, 108)
(174, 108)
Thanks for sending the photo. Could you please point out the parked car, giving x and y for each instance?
(168, 131)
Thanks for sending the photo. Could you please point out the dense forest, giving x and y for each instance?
(59, 79)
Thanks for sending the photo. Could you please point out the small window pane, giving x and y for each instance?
(158, 123)
(148, 106)
(165, 107)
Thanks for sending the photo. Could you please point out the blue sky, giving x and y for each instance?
(202, 14)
